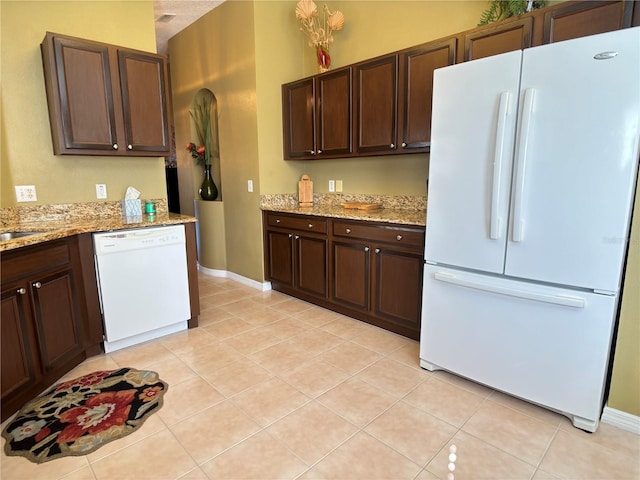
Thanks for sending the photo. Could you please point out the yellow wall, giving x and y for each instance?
(25, 138)
(371, 28)
(218, 53)
(625, 381)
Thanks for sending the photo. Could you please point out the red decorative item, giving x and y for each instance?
(324, 59)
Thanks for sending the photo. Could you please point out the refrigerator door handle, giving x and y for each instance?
(521, 162)
(496, 222)
(563, 300)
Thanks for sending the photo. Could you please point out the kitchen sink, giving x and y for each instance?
(4, 236)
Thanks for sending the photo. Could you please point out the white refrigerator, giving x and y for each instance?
(532, 175)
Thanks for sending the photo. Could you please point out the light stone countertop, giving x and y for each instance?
(60, 221)
(403, 210)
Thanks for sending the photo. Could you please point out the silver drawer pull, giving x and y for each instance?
(366, 249)
(114, 146)
(377, 250)
(398, 237)
(297, 237)
(311, 225)
(348, 230)
(37, 285)
(21, 291)
(277, 220)
(290, 235)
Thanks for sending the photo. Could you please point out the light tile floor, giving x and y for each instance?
(272, 387)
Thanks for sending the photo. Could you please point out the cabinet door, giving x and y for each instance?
(398, 286)
(333, 135)
(280, 257)
(416, 90)
(143, 81)
(351, 275)
(377, 98)
(586, 18)
(81, 87)
(311, 265)
(57, 318)
(18, 362)
(504, 37)
(298, 119)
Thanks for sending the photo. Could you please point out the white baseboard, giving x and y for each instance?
(262, 286)
(620, 419)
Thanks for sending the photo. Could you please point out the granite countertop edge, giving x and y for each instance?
(55, 221)
(401, 210)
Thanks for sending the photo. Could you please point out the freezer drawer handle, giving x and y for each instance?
(512, 292)
(496, 221)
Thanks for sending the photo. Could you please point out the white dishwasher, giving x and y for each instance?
(143, 284)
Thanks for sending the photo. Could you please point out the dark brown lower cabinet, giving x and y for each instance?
(367, 270)
(50, 317)
(295, 256)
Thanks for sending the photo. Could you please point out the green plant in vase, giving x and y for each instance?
(204, 152)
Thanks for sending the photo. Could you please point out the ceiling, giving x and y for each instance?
(172, 16)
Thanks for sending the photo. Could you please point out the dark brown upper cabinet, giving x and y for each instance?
(498, 38)
(579, 19)
(382, 106)
(317, 116)
(416, 89)
(104, 99)
(376, 96)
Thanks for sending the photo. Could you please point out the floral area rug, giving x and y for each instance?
(79, 416)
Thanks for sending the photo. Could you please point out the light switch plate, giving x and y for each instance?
(101, 190)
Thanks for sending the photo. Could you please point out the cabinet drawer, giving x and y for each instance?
(398, 235)
(30, 261)
(296, 222)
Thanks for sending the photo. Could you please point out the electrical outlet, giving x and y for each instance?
(101, 190)
(250, 186)
(26, 193)
(332, 185)
(338, 185)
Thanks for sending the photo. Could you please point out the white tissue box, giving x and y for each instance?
(131, 207)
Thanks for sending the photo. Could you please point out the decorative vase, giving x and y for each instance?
(208, 190)
(324, 59)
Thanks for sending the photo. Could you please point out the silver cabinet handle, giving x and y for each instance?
(393, 145)
(21, 291)
(312, 152)
(277, 220)
(319, 152)
(377, 250)
(297, 237)
(366, 249)
(311, 225)
(37, 285)
(290, 235)
(115, 146)
(348, 230)
(404, 144)
(129, 147)
(398, 237)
